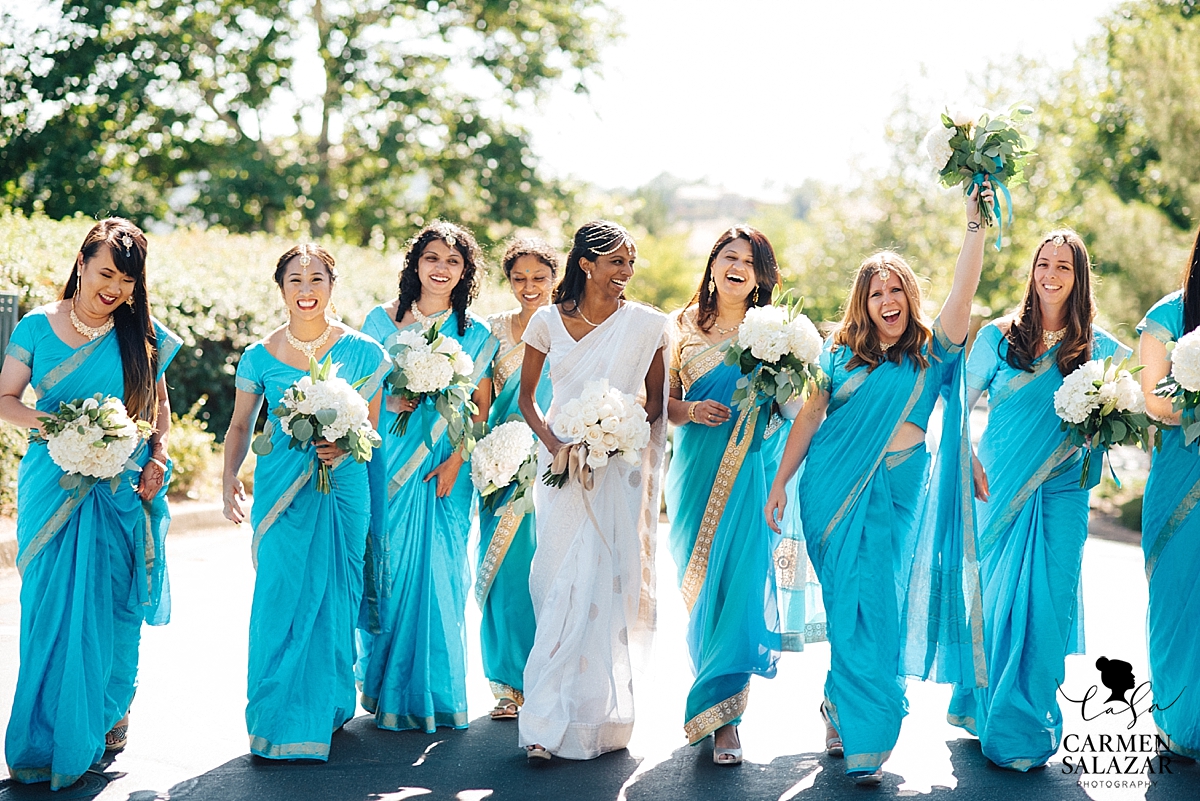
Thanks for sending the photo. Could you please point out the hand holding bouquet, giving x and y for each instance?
(969, 148)
(1182, 384)
(322, 406)
(778, 349)
(92, 437)
(1101, 405)
(427, 364)
(507, 454)
(600, 424)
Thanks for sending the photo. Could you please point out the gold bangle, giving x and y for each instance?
(692, 411)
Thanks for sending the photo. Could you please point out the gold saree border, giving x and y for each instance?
(507, 365)
(716, 716)
(69, 365)
(1157, 330)
(970, 567)
(1039, 477)
(856, 491)
(57, 520)
(501, 690)
(1184, 508)
(283, 502)
(727, 472)
(288, 750)
(497, 549)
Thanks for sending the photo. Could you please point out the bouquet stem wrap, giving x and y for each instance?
(571, 460)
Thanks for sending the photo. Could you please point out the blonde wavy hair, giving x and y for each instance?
(857, 331)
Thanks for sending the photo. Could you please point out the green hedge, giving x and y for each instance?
(212, 288)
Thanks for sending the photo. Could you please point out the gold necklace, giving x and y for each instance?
(85, 329)
(883, 347)
(425, 320)
(726, 331)
(579, 309)
(1052, 338)
(308, 348)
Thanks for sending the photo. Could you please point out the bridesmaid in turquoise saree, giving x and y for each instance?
(506, 541)
(715, 486)
(413, 671)
(91, 560)
(861, 437)
(308, 545)
(1033, 516)
(1171, 527)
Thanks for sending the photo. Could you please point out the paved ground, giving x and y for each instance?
(187, 738)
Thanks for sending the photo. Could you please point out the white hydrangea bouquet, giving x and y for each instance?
(969, 147)
(602, 423)
(1182, 384)
(428, 364)
(92, 437)
(778, 350)
(507, 454)
(1101, 405)
(323, 406)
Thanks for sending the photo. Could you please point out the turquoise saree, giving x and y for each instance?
(308, 550)
(413, 670)
(1032, 531)
(723, 549)
(93, 569)
(861, 508)
(1171, 544)
(506, 541)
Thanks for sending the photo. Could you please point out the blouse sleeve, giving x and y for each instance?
(942, 348)
(1164, 321)
(674, 353)
(21, 343)
(825, 380)
(537, 332)
(249, 373)
(984, 359)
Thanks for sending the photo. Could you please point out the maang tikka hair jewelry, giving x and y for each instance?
(885, 272)
(127, 241)
(305, 259)
(606, 238)
(1059, 240)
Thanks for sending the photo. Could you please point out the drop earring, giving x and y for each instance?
(754, 296)
(589, 275)
(130, 301)
(712, 285)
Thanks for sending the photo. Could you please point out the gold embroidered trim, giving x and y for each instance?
(501, 690)
(972, 584)
(1185, 508)
(265, 748)
(75, 360)
(284, 501)
(1151, 327)
(1040, 476)
(852, 498)
(55, 523)
(701, 364)
(775, 423)
(731, 464)
(717, 716)
(896, 458)
(787, 563)
(497, 548)
(507, 365)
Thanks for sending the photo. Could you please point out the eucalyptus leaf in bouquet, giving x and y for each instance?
(777, 349)
(1101, 405)
(91, 439)
(428, 365)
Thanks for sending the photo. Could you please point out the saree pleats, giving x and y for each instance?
(413, 672)
(308, 550)
(93, 569)
(1032, 531)
(1171, 545)
(716, 489)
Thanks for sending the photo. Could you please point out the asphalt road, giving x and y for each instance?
(188, 741)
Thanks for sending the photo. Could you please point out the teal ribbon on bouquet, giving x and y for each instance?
(1093, 467)
(978, 180)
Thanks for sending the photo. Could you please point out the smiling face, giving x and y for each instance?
(610, 273)
(1054, 275)
(887, 306)
(306, 288)
(439, 269)
(733, 271)
(102, 287)
(532, 281)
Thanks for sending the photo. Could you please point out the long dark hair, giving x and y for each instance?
(310, 250)
(593, 240)
(1025, 333)
(766, 274)
(135, 331)
(467, 288)
(1191, 289)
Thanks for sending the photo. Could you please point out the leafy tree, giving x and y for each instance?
(163, 109)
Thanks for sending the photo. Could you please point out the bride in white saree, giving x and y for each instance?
(591, 576)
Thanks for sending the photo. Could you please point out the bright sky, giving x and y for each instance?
(765, 93)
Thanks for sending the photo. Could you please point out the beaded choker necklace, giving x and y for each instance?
(311, 347)
(86, 330)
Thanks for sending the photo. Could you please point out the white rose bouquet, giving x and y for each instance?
(507, 454)
(322, 406)
(92, 437)
(1182, 384)
(600, 424)
(970, 147)
(778, 349)
(1101, 405)
(430, 365)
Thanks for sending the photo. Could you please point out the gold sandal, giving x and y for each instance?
(506, 709)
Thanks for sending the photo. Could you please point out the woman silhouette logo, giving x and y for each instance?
(1116, 675)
